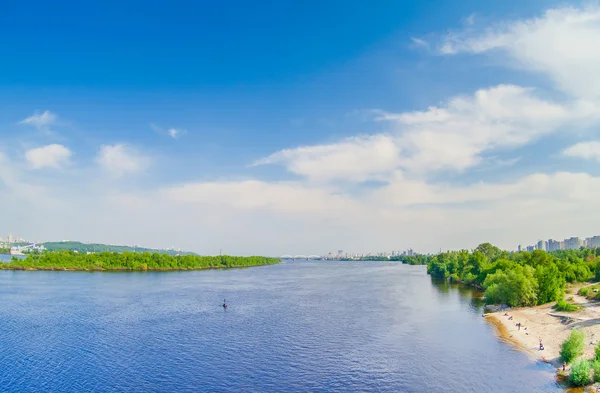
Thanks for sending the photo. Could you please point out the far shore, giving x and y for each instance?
(552, 327)
(63, 269)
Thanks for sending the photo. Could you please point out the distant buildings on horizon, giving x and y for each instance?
(10, 239)
(341, 255)
(573, 243)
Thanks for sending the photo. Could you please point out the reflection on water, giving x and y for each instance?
(294, 327)
(468, 295)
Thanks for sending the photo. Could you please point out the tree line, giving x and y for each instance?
(130, 261)
(517, 278)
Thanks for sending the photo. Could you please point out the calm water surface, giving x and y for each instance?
(293, 327)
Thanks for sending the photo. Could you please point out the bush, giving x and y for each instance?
(596, 367)
(561, 305)
(584, 291)
(580, 373)
(573, 346)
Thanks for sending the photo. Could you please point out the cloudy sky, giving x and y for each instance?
(300, 128)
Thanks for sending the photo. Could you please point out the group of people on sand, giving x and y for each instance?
(541, 347)
(519, 325)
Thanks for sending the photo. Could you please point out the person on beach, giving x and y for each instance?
(541, 345)
(519, 325)
(564, 365)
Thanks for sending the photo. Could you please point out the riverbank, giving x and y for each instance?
(116, 270)
(127, 261)
(549, 326)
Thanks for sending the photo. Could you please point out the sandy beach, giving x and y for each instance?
(543, 323)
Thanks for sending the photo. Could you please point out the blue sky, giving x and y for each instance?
(299, 127)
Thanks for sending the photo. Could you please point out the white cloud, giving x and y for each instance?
(562, 44)
(586, 150)
(53, 156)
(281, 197)
(119, 160)
(41, 121)
(452, 136)
(353, 159)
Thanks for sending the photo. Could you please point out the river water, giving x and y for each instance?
(292, 327)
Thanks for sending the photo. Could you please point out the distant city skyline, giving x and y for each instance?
(572, 243)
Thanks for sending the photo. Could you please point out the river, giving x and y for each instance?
(292, 327)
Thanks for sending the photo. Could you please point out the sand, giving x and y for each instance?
(551, 327)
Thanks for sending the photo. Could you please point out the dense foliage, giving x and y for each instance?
(411, 259)
(562, 305)
(596, 368)
(573, 346)
(516, 278)
(580, 373)
(4, 250)
(93, 247)
(69, 260)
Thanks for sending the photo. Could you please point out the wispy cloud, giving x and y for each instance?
(562, 44)
(419, 42)
(41, 121)
(172, 132)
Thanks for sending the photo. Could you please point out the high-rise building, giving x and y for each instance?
(542, 245)
(592, 242)
(553, 245)
(519, 248)
(573, 243)
(9, 238)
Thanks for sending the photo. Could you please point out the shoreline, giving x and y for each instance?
(149, 270)
(543, 323)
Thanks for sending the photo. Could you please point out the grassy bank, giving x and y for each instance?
(129, 261)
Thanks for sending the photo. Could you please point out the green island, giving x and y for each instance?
(129, 261)
(4, 250)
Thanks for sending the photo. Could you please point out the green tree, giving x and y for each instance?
(551, 283)
(580, 373)
(573, 346)
(491, 252)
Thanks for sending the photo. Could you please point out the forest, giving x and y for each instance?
(517, 278)
(129, 261)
